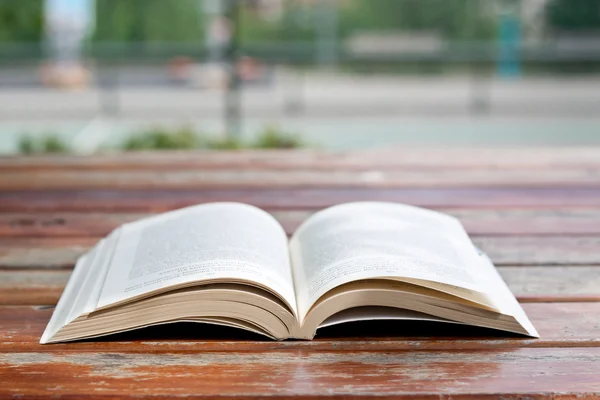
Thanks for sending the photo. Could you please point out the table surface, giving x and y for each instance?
(536, 212)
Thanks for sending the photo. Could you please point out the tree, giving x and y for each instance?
(573, 15)
(148, 20)
(21, 21)
(454, 19)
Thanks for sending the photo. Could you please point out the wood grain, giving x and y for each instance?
(32, 287)
(532, 373)
(552, 222)
(372, 178)
(536, 212)
(42, 252)
(528, 284)
(527, 250)
(158, 200)
(553, 283)
(394, 158)
(62, 252)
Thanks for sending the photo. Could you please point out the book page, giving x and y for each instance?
(379, 313)
(219, 241)
(370, 240)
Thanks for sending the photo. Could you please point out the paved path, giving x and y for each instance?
(321, 97)
(338, 112)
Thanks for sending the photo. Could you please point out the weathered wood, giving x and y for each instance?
(376, 178)
(112, 200)
(553, 283)
(526, 250)
(559, 325)
(553, 222)
(536, 213)
(505, 158)
(32, 287)
(532, 373)
(63, 224)
(61, 252)
(528, 284)
(42, 252)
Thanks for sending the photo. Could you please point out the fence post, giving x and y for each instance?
(232, 95)
(109, 91)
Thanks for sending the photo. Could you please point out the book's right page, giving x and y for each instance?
(378, 240)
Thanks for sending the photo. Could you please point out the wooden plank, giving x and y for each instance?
(528, 250)
(464, 158)
(553, 222)
(553, 283)
(516, 373)
(32, 286)
(233, 178)
(112, 200)
(42, 252)
(62, 252)
(560, 325)
(528, 284)
(63, 224)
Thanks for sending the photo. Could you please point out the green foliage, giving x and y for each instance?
(573, 14)
(186, 138)
(48, 143)
(21, 21)
(272, 138)
(54, 144)
(162, 139)
(148, 21)
(454, 19)
(183, 20)
(225, 144)
(296, 24)
(27, 145)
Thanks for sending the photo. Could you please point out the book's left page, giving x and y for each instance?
(212, 243)
(217, 242)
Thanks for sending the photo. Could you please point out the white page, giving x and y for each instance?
(379, 313)
(369, 240)
(504, 297)
(231, 241)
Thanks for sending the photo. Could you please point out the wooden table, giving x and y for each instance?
(535, 212)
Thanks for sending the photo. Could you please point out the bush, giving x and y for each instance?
(26, 145)
(54, 144)
(187, 138)
(226, 144)
(49, 143)
(162, 139)
(273, 138)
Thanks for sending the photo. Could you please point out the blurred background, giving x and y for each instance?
(85, 76)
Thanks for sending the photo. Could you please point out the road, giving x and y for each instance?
(333, 111)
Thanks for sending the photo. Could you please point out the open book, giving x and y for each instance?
(232, 264)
